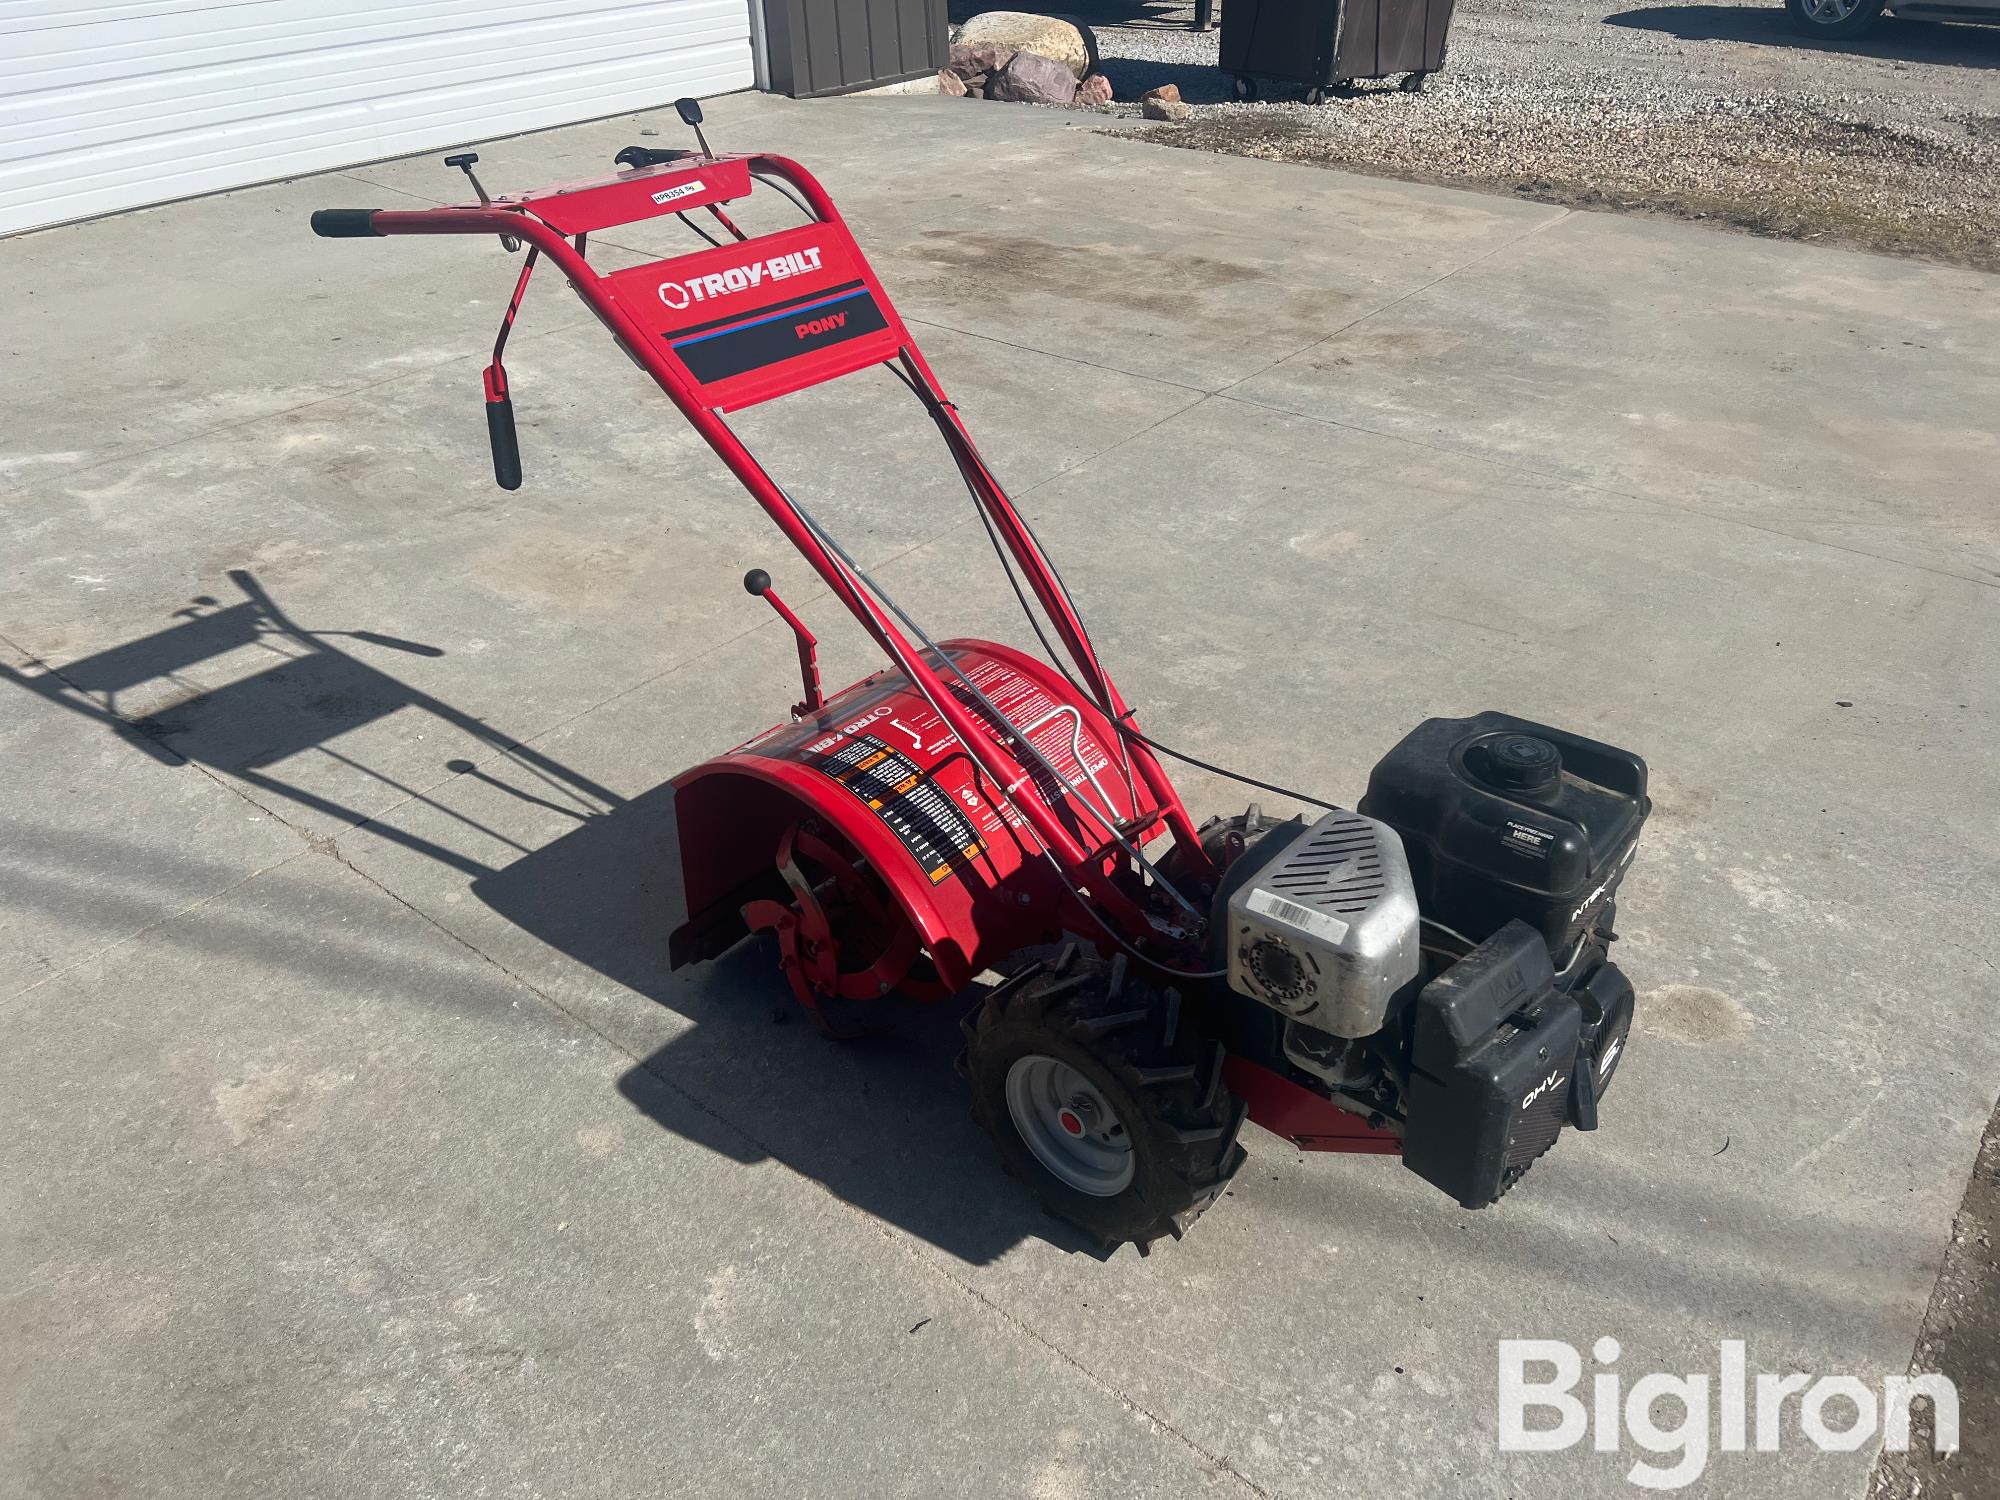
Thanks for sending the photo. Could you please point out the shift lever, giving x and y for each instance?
(690, 112)
(464, 161)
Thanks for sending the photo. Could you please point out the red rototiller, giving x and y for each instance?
(1426, 975)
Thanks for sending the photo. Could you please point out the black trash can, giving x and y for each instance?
(1327, 44)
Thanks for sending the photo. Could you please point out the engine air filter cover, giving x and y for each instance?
(1326, 931)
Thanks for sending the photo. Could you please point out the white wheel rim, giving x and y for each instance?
(1069, 1126)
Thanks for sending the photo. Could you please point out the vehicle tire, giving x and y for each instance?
(1834, 18)
(1224, 841)
(1102, 1098)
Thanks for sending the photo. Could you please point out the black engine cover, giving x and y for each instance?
(1504, 819)
(1494, 1050)
(1605, 997)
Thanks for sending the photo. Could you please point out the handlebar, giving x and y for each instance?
(505, 443)
(344, 223)
(523, 220)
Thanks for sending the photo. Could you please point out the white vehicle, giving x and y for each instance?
(1850, 18)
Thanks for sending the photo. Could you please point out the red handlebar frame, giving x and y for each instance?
(653, 338)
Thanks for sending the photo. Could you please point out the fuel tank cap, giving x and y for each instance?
(1518, 762)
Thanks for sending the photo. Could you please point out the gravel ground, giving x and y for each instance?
(1713, 112)
(1960, 1339)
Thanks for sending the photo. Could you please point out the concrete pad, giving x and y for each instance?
(350, 1202)
(1783, 1152)
(105, 832)
(1833, 396)
(1781, 1160)
(109, 345)
(621, 559)
(105, 358)
(469, 702)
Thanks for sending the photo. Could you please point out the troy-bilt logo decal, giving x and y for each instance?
(675, 194)
(680, 294)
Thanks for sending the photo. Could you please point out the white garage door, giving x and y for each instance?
(107, 105)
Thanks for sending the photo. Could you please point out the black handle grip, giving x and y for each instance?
(344, 223)
(506, 446)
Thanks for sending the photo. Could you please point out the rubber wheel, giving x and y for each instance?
(1315, 95)
(1413, 83)
(1151, 1126)
(1243, 87)
(1224, 841)
(1834, 18)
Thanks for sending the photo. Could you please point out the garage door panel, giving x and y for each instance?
(84, 182)
(76, 55)
(173, 100)
(120, 105)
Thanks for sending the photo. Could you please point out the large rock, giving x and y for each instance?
(1030, 78)
(978, 60)
(1069, 42)
(950, 83)
(1173, 111)
(1095, 89)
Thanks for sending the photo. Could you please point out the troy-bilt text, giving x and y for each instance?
(678, 294)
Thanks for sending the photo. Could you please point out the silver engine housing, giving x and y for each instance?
(1326, 931)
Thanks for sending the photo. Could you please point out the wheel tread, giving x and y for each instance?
(1169, 1075)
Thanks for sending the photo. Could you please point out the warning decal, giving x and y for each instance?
(916, 810)
(1068, 747)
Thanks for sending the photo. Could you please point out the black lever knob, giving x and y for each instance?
(648, 156)
(757, 582)
(464, 162)
(690, 112)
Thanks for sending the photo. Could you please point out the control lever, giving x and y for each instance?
(758, 582)
(648, 156)
(690, 112)
(500, 433)
(464, 162)
(499, 399)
